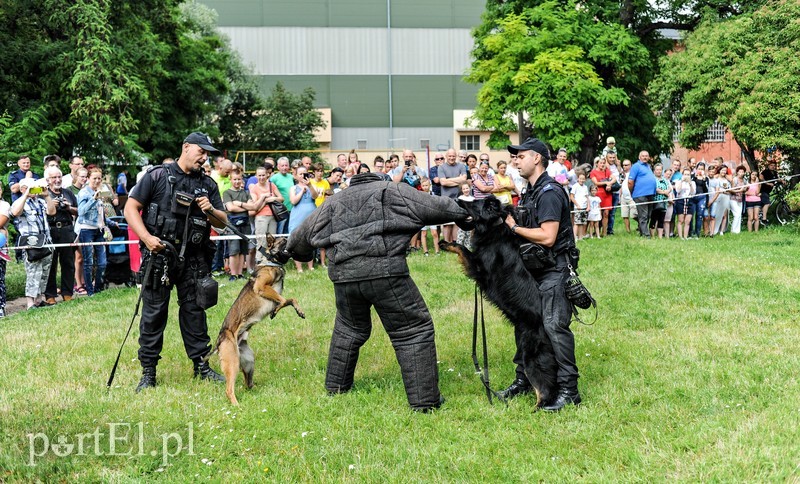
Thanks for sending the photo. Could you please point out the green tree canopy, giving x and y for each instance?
(567, 71)
(743, 72)
(287, 122)
(112, 80)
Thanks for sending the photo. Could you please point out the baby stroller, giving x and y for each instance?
(118, 268)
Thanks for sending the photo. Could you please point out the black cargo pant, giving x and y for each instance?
(64, 257)
(407, 322)
(155, 310)
(557, 315)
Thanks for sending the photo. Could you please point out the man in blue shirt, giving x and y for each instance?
(642, 184)
(24, 171)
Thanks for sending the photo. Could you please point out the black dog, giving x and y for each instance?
(497, 268)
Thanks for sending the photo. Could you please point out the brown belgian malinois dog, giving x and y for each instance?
(259, 297)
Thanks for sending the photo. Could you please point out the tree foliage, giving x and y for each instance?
(587, 25)
(742, 71)
(287, 122)
(570, 73)
(113, 80)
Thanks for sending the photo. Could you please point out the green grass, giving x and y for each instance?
(15, 279)
(689, 374)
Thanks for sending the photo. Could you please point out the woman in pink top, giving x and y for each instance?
(752, 200)
(265, 223)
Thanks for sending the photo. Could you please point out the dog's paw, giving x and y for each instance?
(300, 313)
(450, 247)
(273, 314)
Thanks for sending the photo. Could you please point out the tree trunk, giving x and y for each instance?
(626, 13)
(589, 147)
(524, 127)
(749, 156)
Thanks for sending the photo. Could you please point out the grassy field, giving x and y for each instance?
(689, 374)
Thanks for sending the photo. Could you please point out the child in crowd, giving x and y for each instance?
(594, 213)
(425, 184)
(464, 237)
(579, 195)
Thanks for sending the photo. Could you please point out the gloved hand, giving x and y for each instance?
(301, 257)
(466, 224)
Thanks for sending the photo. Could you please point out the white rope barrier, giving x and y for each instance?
(236, 237)
(130, 242)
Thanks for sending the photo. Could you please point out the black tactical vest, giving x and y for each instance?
(565, 238)
(171, 214)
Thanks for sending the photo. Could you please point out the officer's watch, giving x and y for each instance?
(514, 229)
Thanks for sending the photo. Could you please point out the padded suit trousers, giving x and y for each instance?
(407, 322)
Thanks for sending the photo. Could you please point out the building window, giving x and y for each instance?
(361, 144)
(470, 142)
(716, 133)
(678, 128)
(424, 143)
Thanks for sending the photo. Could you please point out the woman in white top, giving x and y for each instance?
(685, 190)
(721, 201)
(738, 187)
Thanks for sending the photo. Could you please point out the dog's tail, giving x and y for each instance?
(215, 348)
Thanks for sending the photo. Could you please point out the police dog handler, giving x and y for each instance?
(174, 200)
(543, 217)
(366, 230)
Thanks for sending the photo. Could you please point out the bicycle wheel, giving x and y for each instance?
(783, 213)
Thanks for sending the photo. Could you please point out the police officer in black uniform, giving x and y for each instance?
(544, 218)
(178, 204)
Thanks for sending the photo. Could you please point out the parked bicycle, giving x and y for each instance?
(786, 200)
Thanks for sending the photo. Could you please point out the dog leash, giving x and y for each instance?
(573, 289)
(482, 372)
(261, 250)
(146, 277)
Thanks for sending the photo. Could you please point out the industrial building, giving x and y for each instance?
(387, 74)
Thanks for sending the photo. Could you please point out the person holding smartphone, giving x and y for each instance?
(302, 197)
(408, 172)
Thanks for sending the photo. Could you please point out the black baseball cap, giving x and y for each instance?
(532, 144)
(202, 140)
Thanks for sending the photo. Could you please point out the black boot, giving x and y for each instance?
(565, 397)
(206, 373)
(519, 387)
(148, 378)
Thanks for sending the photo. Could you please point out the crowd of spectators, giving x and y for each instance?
(59, 209)
(686, 199)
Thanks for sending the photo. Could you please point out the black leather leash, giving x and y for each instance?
(146, 277)
(482, 372)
